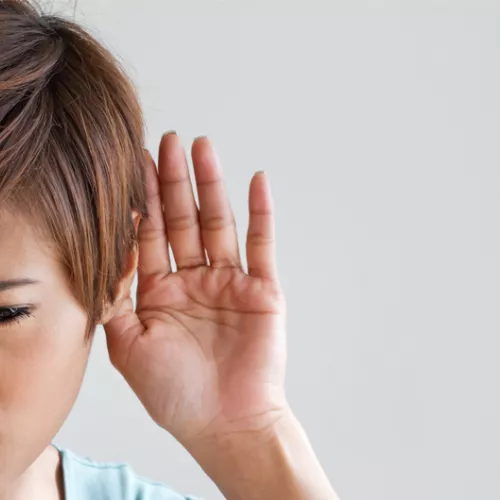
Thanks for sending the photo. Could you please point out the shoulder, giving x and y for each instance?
(103, 481)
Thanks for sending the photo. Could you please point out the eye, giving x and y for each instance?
(11, 314)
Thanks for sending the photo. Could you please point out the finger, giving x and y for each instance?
(181, 213)
(260, 245)
(218, 226)
(121, 332)
(152, 238)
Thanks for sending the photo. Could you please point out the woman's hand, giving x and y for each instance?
(204, 350)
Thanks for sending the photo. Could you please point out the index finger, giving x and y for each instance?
(152, 237)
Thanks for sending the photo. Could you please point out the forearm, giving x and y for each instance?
(279, 463)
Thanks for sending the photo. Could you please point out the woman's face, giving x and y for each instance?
(42, 356)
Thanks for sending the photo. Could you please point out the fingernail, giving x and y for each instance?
(170, 132)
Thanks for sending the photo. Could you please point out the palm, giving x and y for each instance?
(205, 348)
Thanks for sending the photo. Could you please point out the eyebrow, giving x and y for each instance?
(15, 283)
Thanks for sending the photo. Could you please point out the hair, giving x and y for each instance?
(71, 148)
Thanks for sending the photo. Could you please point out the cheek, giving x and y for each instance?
(42, 359)
(42, 363)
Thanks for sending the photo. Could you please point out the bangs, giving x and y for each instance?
(71, 147)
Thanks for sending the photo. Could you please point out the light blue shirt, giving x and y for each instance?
(85, 479)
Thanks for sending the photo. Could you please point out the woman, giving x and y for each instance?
(82, 208)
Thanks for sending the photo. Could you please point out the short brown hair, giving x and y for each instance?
(71, 147)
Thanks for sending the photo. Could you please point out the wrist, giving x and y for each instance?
(239, 440)
(275, 461)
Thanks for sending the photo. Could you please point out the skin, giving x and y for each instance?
(42, 358)
(204, 350)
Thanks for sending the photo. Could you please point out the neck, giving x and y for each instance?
(43, 480)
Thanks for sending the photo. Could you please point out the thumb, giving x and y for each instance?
(121, 329)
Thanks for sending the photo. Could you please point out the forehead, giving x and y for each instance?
(22, 250)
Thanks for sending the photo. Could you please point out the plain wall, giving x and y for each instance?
(379, 126)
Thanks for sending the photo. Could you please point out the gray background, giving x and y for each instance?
(378, 124)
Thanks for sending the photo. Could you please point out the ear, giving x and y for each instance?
(123, 287)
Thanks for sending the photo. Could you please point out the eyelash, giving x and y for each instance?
(18, 314)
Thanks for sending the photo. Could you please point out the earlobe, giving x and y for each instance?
(106, 314)
(136, 217)
(125, 283)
